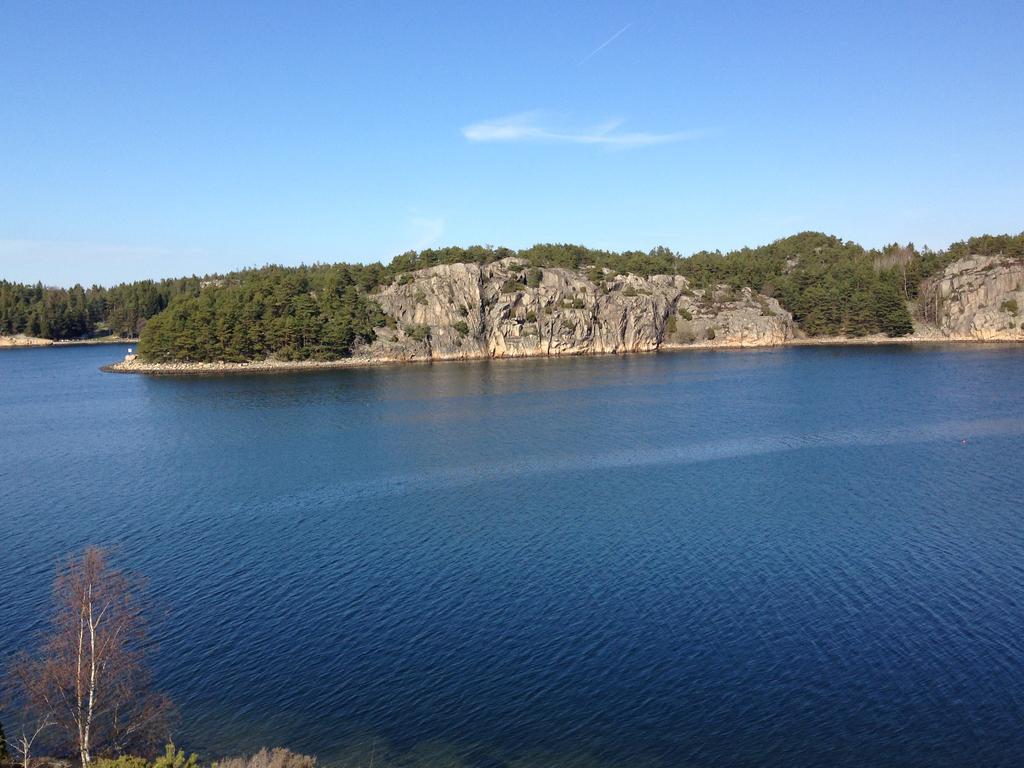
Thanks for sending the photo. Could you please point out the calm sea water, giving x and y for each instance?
(778, 557)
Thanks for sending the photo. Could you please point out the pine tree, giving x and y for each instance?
(891, 311)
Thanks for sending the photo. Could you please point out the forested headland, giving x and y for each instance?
(319, 312)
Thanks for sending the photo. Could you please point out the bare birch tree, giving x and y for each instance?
(89, 677)
(26, 739)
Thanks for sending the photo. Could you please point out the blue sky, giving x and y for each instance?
(158, 139)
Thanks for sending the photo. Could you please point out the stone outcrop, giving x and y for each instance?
(979, 298)
(505, 309)
(21, 340)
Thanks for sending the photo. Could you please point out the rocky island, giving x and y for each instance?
(471, 312)
(550, 300)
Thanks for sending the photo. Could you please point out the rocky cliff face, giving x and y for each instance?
(504, 309)
(977, 298)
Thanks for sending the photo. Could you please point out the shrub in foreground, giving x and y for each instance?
(270, 758)
(277, 757)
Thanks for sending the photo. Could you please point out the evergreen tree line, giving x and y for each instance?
(659, 261)
(838, 287)
(831, 286)
(76, 313)
(301, 313)
(320, 311)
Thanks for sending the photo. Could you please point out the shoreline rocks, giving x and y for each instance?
(285, 366)
(21, 340)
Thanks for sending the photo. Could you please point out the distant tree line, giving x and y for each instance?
(75, 313)
(321, 311)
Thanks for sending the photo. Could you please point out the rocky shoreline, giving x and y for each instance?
(94, 342)
(137, 366)
(20, 341)
(133, 364)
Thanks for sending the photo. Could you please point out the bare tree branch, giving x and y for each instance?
(88, 679)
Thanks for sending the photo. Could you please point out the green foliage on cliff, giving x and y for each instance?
(657, 261)
(831, 286)
(419, 332)
(513, 284)
(1010, 246)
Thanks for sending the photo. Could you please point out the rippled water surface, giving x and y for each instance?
(780, 557)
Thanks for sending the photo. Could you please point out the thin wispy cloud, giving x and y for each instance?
(531, 127)
(603, 45)
(64, 263)
(32, 249)
(428, 230)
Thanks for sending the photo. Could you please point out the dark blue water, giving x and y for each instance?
(780, 557)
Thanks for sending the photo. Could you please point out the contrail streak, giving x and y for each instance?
(603, 45)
